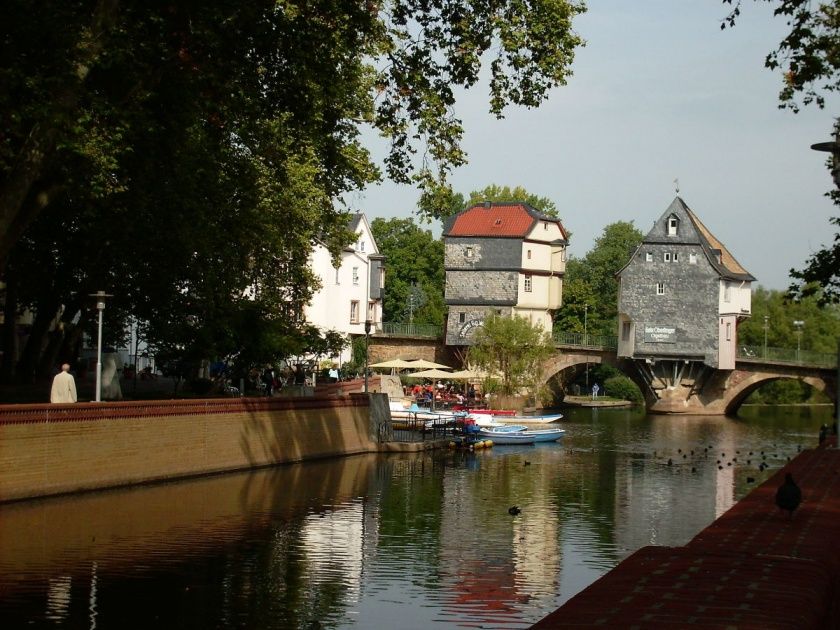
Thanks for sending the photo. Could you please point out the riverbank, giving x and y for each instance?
(588, 401)
(754, 567)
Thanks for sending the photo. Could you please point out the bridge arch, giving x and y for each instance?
(742, 384)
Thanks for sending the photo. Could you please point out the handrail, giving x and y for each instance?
(581, 340)
(412, 330)
(791, 356)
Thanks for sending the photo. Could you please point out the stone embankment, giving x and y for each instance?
(54, 449)
(755, 567)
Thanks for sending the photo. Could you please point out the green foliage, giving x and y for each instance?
(590, 290)
(512, 351)
(415, 274)
(819, 333)
(494, 192)
(624, 388)
(785, 392)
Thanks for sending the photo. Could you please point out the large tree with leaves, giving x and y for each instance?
(512, 351)
(415, 274)
(590, 289)
(195, 151)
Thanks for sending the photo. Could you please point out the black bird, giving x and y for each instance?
(527, 463)
(513, 510)
(788, 496)
(670, 462)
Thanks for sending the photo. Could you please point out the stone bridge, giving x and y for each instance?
(688, 387)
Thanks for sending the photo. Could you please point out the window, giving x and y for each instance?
(361, 246)
(673, 224)
(728, 331)
(649, 257)
(667, 257)
(660, 288)
(354, 312)
(462, 318)
(371, 314)
(355, 275)
(527, 284)
(692, 259)
(382, 277)
(625, 331)
(529, 254)
(336, 276)
(674, 256)
(468, 252)
(727, 292)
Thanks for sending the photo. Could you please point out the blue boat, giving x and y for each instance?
(519, 434)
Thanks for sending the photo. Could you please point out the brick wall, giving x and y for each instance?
(51, 449)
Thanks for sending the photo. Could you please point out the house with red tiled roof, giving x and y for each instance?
(680, 299)
(502, 257)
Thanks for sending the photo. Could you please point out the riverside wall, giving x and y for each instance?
(54, 449)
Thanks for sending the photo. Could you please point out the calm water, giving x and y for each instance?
(407, 541)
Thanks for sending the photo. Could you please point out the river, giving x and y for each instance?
(391, 541)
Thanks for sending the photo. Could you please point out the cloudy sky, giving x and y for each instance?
(658, 93)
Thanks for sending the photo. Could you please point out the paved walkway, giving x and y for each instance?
(753, 568)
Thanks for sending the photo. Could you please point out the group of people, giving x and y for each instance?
(445, 392)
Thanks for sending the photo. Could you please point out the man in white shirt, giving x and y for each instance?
(63, 386)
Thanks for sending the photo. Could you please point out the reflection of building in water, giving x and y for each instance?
(651, 509)
(58, 597)
(491, 562)
(334, 544)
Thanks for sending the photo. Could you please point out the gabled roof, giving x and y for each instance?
(698, 234)
(506, 219)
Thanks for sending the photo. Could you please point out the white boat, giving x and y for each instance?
(519, 434)
(414, 415)
(489, 420)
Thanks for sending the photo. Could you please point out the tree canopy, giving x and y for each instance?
(512, 351)
(590, 288)
(185, 156)
(415, 273)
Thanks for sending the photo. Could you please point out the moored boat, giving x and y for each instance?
(519, 434)
(482, 419)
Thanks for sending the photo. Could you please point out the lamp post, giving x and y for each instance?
(766, 320)
(100, 306)
(367, 341)
(585, 314)
(798, 324)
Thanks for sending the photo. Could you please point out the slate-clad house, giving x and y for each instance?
(681, 297)
(505, 257)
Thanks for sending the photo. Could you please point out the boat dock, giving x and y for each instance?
(754, 567)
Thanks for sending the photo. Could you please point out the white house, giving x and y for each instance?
(351, 293)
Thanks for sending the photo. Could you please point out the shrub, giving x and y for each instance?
(622, 387)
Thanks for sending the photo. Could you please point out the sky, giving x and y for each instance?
(660, 93)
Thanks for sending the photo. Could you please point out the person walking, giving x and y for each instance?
(63, 386)
(595, 390)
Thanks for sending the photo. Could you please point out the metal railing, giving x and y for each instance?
(787, 355)
(580, 340)
(412, 330)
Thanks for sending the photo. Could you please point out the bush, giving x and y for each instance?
(622, 387)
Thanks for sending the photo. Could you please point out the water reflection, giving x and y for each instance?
(408, 541)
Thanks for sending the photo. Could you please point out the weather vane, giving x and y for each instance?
(677, 184)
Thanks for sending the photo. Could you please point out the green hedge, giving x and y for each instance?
(622, 387)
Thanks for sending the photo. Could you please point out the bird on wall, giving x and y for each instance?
(514, 510)
(788, 496)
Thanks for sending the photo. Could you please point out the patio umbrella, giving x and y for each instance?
(393, 364)
(422, 364)
(467, 375)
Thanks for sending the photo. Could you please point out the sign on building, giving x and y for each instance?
(656, 333)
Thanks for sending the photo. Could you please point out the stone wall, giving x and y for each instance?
(53, 449)
(690, 302)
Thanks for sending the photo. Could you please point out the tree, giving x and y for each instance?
(414, 272)
(512, 348)
(591, 282)
(810, 65)
(494, 192)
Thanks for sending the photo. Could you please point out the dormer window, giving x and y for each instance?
(498, 222)
(468, 251)
(673, 225)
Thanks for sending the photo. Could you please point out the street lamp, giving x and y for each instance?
(367, 341)
(100, 306)
(766, 320)
(798, 324)
(585, 314)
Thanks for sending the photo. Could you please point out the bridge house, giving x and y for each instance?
(505, 257)
(681, 297)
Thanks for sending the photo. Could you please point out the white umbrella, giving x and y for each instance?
(433, 374)
(393, 364)
(422, 364)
